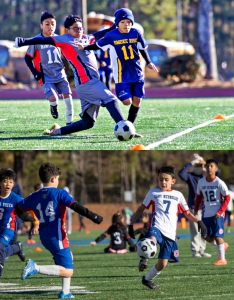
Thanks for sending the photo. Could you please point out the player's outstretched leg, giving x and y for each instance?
(143, 264)
(29, 270)
(21, 253)
(150, 284)
(65, 296)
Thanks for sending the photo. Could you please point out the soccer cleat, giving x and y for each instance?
(143, 265)
(150, 284)
(21, 253)
(31, 241)
(29, 269)
(196, 254)
(61, 295)
(138, 135)
(54, 111)
(220, 262)
(204, 254)
(225, 246)
(53, 130)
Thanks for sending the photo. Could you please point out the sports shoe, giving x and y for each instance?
(53, 130)
(143, 264)
(196, 254)
(220, 262)
(21, 253)
(228, 230)
(61, 295)
(31, 241)
(29, 269)
(150, 284)
(54, 111)
(225, 246)
(138, 135)
(204, 254)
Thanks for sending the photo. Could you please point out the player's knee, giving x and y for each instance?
(68, 273)
(89, 122)
(127, 101)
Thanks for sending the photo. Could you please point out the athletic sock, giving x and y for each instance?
(48, 270)
(153, 272)
(115, 110)
(54, 103)
(132, 113)
(66, 283)
(221, 252)
(69, 109)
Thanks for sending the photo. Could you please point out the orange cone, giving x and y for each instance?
(220, 117)
(37, 249)
(138, 147)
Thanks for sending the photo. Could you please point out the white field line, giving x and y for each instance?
(174, 136)
(3, 120)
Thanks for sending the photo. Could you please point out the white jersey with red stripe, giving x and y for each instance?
(212, 193)
(165, 208)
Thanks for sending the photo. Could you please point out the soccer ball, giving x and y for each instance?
(124, 130)
(146, 248)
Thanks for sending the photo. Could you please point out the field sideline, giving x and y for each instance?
(105, 276)
(23, 122)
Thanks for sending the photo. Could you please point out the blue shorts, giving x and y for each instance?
(168, 248)
(62, 257)
(51, 89)
(215, 226)
(6, 236)
(128, 90)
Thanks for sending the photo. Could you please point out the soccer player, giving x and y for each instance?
(166, 204)
(105, 67)
(46, 65)
(214, 195)
(92, 92)
(8, 200)
(118, 236)
(49, 205)
(124, 44)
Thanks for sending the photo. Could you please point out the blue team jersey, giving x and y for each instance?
(124, 54)
(7, 211)
(49, 204)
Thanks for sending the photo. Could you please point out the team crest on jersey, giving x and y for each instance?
(176, 253)
(44, 196)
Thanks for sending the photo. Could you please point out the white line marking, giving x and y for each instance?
(174, 136)
(3, 119)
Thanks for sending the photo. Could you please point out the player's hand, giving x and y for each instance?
(217, 215)
(93, 243)
(79, 45)
(152, 67)
(16, 43)
(202, 227)
(131, 231)
(37, 75)
(95, 217)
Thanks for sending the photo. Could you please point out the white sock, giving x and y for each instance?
(221, 252)
(54, 103)
(153, 272)
(49, 270)
(66, 282)
(69, 109)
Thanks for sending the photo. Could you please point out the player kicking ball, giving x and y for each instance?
(166, 204)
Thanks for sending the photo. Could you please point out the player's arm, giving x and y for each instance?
(223, 207)
(80, 209)
(101, 33)
(147, 59)
(23, 215)
(20, 42)
(136, 215)
(198, 200)
(192, 218)
(29, 62)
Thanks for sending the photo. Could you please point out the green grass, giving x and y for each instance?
(157, 120)
(113, 277)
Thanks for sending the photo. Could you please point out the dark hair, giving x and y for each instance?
(170, 170)
(48, 170)
(71, 19)
(117, 219)
(212, 160)
(47, 15)
(37, 186)
(7, 173)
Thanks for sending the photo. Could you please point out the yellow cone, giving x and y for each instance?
(138, 147)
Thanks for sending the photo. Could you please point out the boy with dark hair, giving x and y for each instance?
(49, 205)
(125, 43)
(214, 195)
(166, 204)
(46, 65)
(8, 200)
(92, 92)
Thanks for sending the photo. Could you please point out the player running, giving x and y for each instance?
(46, 65)
(166, 204)
(91, 91)
(49, 205)
(214, 195)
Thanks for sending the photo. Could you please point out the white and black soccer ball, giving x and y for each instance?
(146, 248)
(124, 130)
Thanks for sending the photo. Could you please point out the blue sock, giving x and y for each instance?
(115, 110)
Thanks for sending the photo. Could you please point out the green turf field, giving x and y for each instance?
(114, 277)
(23, 122)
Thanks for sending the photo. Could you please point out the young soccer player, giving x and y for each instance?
(118, 236)
(124, 44)
(92, 92)
(8, 200)
(214, 195)
(46, 65)
(49, 205)
(165, 203)
(105, 67)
